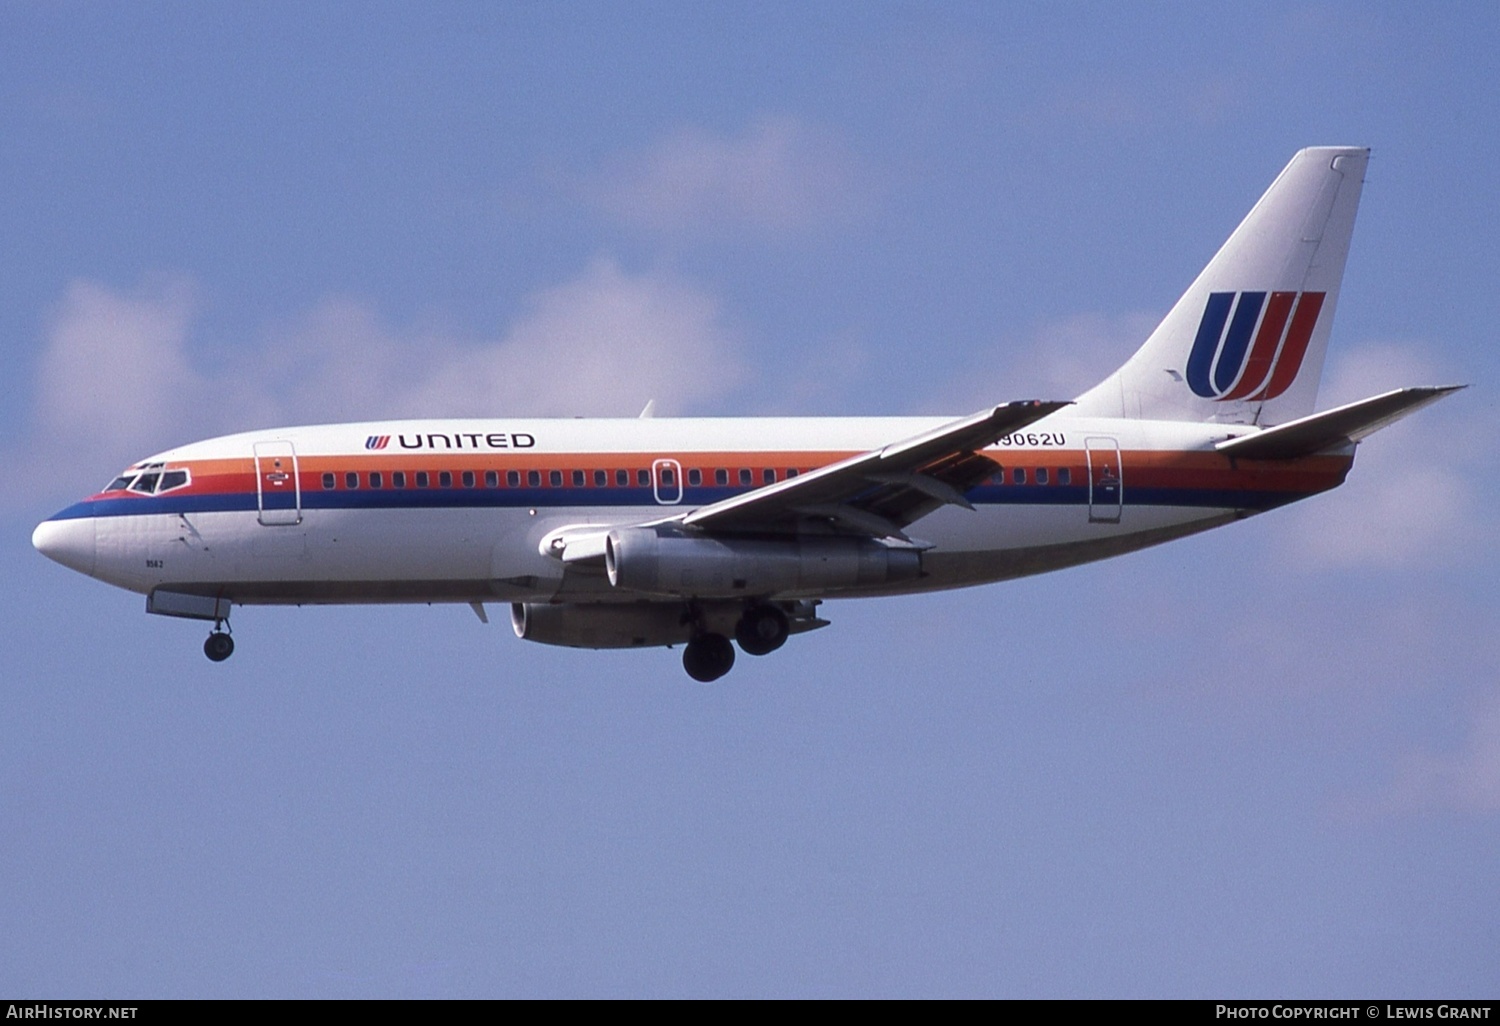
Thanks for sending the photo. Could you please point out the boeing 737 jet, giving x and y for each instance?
(687, 531)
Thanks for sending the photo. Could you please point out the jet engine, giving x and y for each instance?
(641, 559)
(603, 625)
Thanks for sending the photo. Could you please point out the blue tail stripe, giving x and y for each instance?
(1210, 329)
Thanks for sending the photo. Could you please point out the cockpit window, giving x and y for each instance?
(149, 479)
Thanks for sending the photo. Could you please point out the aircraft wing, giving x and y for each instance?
(878, 493)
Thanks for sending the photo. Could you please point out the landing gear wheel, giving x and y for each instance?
(708, 657)
(762, 630)
(219, 646)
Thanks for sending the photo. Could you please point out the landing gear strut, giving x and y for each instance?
(762, 630)
(219, 646)
(708, 657)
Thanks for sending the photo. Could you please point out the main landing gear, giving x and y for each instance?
(761, 630)
(708, 657)
(219, 646)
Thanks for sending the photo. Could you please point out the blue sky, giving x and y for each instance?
(1263, 761)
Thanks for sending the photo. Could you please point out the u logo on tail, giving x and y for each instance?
(1225, 365)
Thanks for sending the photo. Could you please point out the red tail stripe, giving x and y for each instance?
(1264, 350)
(1295, 347)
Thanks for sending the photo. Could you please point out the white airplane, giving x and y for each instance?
(659, 532)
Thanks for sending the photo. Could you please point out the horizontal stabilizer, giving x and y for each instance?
(1339, 426)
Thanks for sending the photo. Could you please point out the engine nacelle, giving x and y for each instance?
(640, 559)
(603, 625)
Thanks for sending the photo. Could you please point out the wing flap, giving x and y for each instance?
(880, 492)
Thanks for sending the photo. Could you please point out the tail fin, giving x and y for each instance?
(1245, 343)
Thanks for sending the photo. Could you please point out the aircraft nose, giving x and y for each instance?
(69, 542)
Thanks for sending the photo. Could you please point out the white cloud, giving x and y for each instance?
(1068, 357)
(1411, 498)
(1058, 360)
(1467, 779)
(600, 346)
(1374, 368)
(780, 176)
(118, 360)
(117, 381)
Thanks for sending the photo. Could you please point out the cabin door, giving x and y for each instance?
(1106, 480)
(666, 481)
(278, 490)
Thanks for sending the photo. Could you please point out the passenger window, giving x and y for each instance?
(351, 480)
(768, 476)
(791, 472)
(1064, 476)
(1041, 475)
(330, 481)
(534, 478)
(577, 479)
(622, 479)
(643, 478)
(375, 479)
(695, 477)
(1018, 475)
(998, 477)
(398, 479)
(601, 479)
(744, 476)
(468, 479)
(492, 479)
(667, 477)
(513, 478)
(422, 479)
(554, 477)
(721, 476)
(445, 479)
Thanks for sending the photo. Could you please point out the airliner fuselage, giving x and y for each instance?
(459, 511)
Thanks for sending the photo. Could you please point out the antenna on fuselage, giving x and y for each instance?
(649, 411)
